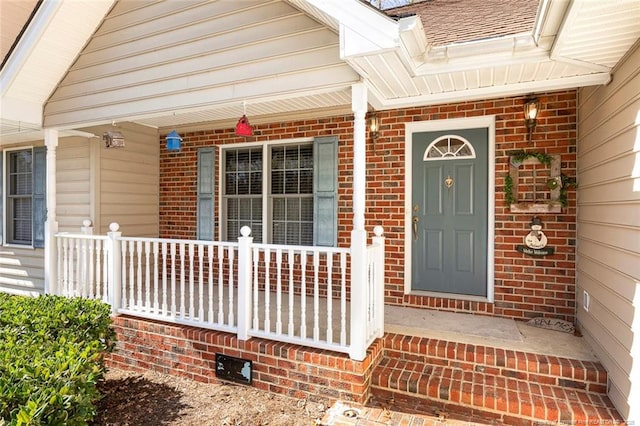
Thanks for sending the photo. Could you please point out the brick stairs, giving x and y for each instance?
(486, 384)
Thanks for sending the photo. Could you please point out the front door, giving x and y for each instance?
(449, 212)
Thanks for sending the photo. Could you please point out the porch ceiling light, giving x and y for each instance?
(174, 141)
(531, 109)
(113, 139)
(374, 126)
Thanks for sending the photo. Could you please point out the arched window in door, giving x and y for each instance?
(449, 147)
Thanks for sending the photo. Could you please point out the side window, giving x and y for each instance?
(24, 186)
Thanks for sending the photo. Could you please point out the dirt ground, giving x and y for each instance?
(155, 399)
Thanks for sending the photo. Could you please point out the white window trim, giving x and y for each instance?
(266, 181)
(4, 198)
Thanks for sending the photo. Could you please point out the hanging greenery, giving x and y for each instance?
(520, 156)
(508, 190)
(567, 182)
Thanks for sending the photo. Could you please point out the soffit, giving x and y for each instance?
(598, 32)
(42, 56)
(403, 69)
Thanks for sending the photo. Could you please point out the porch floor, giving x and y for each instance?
(487, 331)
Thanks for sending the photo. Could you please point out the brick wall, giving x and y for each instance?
(293, 370)
(525, 287)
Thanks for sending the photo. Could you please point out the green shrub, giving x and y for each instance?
(51, 358)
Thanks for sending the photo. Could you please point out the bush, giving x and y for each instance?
(51, 358)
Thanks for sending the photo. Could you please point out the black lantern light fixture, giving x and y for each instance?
(531, 110)
(374, 126)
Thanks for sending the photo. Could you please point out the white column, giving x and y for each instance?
(51, 225)
(244, 283)
(359, 294)
(359, 107)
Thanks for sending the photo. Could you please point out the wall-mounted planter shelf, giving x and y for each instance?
(550, 205)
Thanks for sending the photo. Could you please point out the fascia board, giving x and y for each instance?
(564, 29)
(362, 28)
(444, 65)
(493, 91)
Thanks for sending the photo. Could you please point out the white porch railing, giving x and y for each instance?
(294, 294)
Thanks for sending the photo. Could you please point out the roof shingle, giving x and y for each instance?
(457, 21)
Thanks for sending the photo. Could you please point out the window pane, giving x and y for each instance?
(291, 158)
(21, 214)
(230, 184)
(306, 157)
(278, 209)
(306, 181)
(293, 210)
(277, 182)
(306, 234)
(277, 158)
(306, 209)
(291, 182)
(232, 208)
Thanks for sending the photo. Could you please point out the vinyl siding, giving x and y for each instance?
(150, 56)
(73, 183)
(609, 228)
(127, 182)
(21, 270)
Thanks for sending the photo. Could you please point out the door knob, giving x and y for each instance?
(415, 221)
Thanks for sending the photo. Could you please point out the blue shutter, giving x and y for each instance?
(39, 210)
(325, 191)
(206, 162)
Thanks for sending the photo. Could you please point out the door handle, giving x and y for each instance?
(415, 221)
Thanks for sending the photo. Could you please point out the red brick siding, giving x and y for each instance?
(283, 368)
(525, 287)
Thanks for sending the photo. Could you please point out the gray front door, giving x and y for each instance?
(449, 212)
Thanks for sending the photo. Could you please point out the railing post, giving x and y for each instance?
(378, 297)
(359, 296)
(244, 283)
(87, 227)
(114, 267)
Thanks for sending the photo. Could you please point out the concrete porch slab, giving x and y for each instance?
(484, 330)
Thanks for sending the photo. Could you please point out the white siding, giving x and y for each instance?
(21, 270)
(609, 228)
(154, 57)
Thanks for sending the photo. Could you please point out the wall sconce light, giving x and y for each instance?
(113, 139)
(531, 109)
(174, 141)
(374, 126)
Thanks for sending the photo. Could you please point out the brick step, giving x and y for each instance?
(536, 368)
(436, 389)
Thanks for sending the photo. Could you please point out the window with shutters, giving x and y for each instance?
(274, 189)
(24, 185)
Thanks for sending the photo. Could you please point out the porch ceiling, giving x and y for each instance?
(573, 44)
